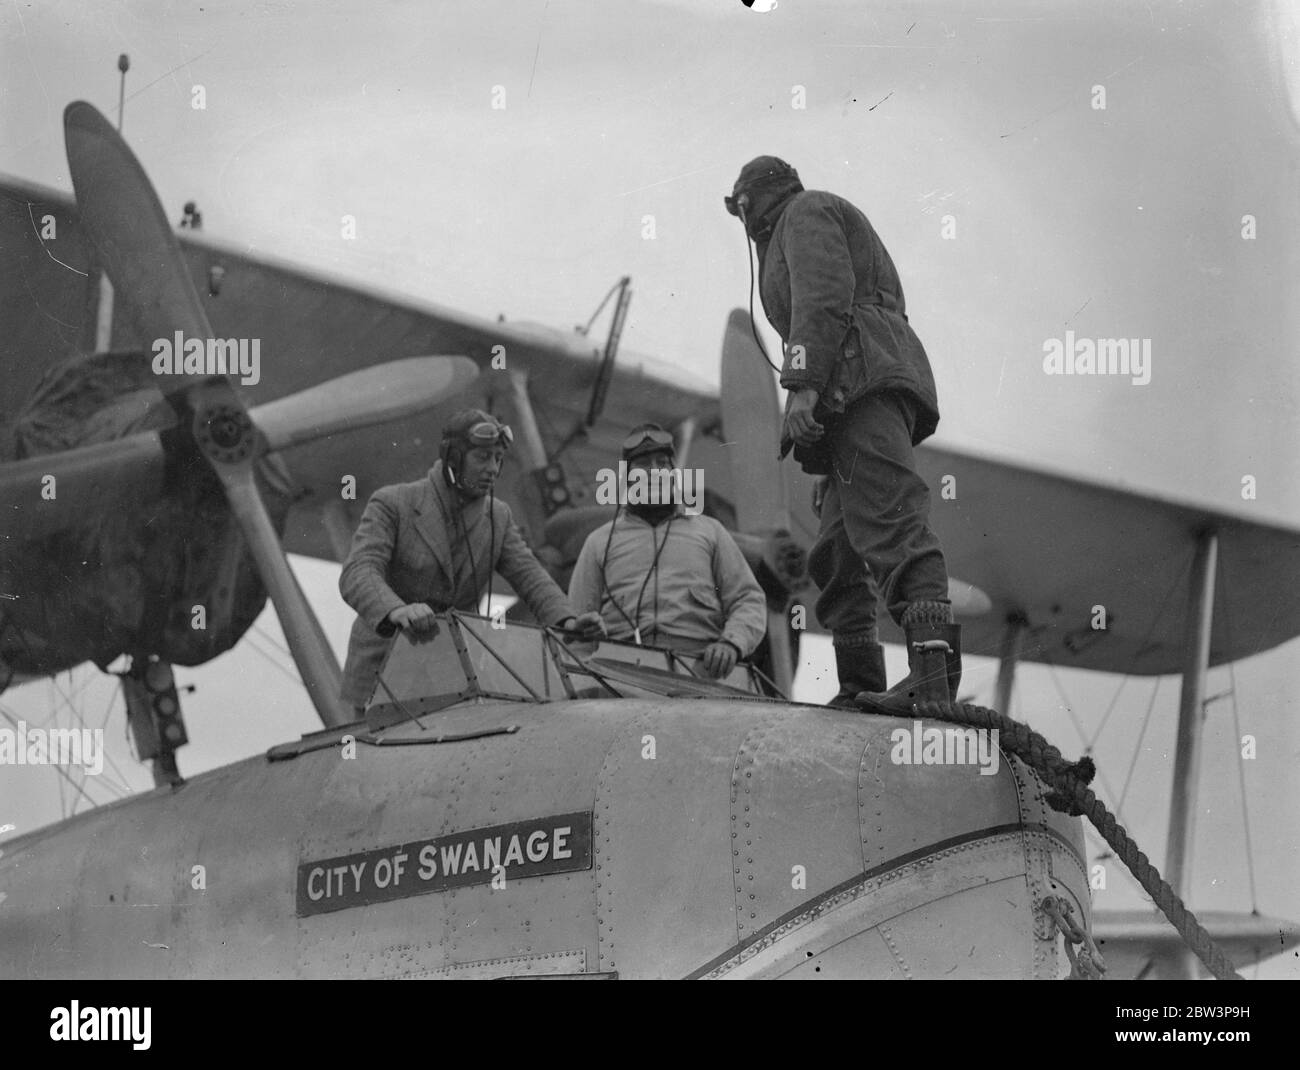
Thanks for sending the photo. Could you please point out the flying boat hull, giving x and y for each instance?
(646, 838)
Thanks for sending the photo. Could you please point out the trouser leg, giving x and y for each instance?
(876, 543)
(884, 509)
(846, 601)
(846, 604)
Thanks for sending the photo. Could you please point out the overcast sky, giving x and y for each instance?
(1014, 207)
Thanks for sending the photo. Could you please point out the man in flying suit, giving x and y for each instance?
(861, 396)
(434, 544)
(661, 576)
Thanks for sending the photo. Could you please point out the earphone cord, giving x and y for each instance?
(604, 579)
(492, 541)
(749, 256)
(464, 534)
(654, 568)
(492, 544)
(654, 571)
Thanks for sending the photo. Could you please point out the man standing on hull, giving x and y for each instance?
(861, 395)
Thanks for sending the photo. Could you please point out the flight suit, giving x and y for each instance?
(684, 584)
(831, 290)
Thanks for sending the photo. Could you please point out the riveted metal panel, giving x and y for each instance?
(127, 884)
(470, 926)
(664, 886)
(795, 813)
(663, 893)
(41, 930)
(543, 965)
(1049, 869)
(938, 882)
(1066, 869)
(609, 780)
(906, 806)
(243, 831)
(409, 793)
(978, 933)
(1038, 851)
(118, 883)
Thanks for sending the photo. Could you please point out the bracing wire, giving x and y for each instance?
(1160, 612)
(1137, 748)
(57, 768)
(272, 641)
(1078, 726)
(275, 662)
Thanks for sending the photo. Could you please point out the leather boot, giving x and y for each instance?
(953, 640)
(933, 652)
(860, 668)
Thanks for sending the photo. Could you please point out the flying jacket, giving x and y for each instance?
(829, 286)
(410, 547)
(701, 589)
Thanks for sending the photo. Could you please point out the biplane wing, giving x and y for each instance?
(1058, 551)
(1052, 550)
(313, 328)
(1131, 941)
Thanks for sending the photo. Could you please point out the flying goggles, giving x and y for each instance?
(488, 433)
(647, 440)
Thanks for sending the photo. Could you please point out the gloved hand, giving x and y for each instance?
(719, 659)
(589, 625)
(800, 423)
(417, 619)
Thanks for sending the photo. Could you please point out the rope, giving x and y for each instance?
(1070, 794)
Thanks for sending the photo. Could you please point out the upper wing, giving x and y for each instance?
(1057, 550)
(1055, 547)
(1049, 547)
(311, 328)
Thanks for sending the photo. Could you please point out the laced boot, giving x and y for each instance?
(933, 661)
(861, 667)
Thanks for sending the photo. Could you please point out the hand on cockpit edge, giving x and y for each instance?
(416, 619)
(719, 659)
(589, 625)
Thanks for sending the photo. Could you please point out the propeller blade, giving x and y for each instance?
(307, 643)
(362, 398)
(47, 494)
(751, 421)
(138, 249)
(120, 211)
